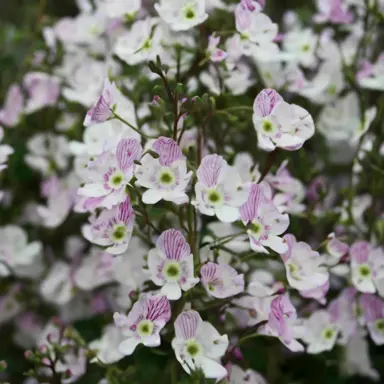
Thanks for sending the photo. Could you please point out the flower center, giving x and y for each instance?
(215, 197)
(305, 47)
(172, 271)
(145, 328)
(332, 90)
(256, 228)
(116, 180)
(328, 333)
(147, 45)
(166, 177)
(379, 324)
(193, 349)
(268, 127)
(119, 232)
(365, 270)
(189, 13)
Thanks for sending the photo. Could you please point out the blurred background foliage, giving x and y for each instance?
(19, 38)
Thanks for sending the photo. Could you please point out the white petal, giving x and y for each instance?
(172, 290)
(276, 243)
(152, 196)
(212, 369)
(127, 346)
(92, 190)
(227, 214)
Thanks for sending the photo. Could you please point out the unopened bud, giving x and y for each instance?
(3, 365)
(43, 348)
(28, 354)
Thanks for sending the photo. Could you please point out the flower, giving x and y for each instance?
(17, 256)
(144, 322)
(281, 321)
(107, 345)
(112, 228)
(367, 267)
(320, 332)
(110, 173)
(373, 311)
(43, 91)
(219, 189)
(171, 264)
(182, 15)
(263, 220)
(165, 177)
(238, 376)
(215, 54)
(120, 8)
(5, 151)
(13, 106)
(101, 111)
(221, 280)
(303, 266)
(198, 345)
(279, 124)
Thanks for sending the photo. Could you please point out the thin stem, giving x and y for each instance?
(270, 160)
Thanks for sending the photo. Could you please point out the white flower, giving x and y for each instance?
(303, 266)
(320, 332)
(182, 15)
(198, 345)
(120, 8)
(139, 44)
(238, 376)
(171, 264)
(107, 345)
(144, 322)
(16, 255)
(165, 177)
(219, 189)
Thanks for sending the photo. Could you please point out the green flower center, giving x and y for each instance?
(305, 47)
(145, 328)
(328, 333)
(189, 13)
(116, 180)
(119, 232)
(365, 271)
(215, 197)
(332, 90)
(172, 271)
(268, 127)
(193, 348)
(256, 228)
(147, 44)
(166, 177)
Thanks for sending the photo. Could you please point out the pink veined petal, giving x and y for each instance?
(125, 211)
(266, 101)
(128, 150)
(158, 308)
(168, 150)
(187, 324)
(249, 210)
(290, 240)
(173, 244)
(208, 272)
(360, 252)
(209, 170)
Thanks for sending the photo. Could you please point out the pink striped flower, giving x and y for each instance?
(264, 221)
(198, 345)
(367, 267)
(171, 264)
(166, 177)
(219, 190)
(101, 111)
(373, 310)
(279, 124)
(281, 320)
(221, 280)
(110, 173)
(112, 228)
(144, 322)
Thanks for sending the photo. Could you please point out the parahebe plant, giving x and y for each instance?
(192, 192)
